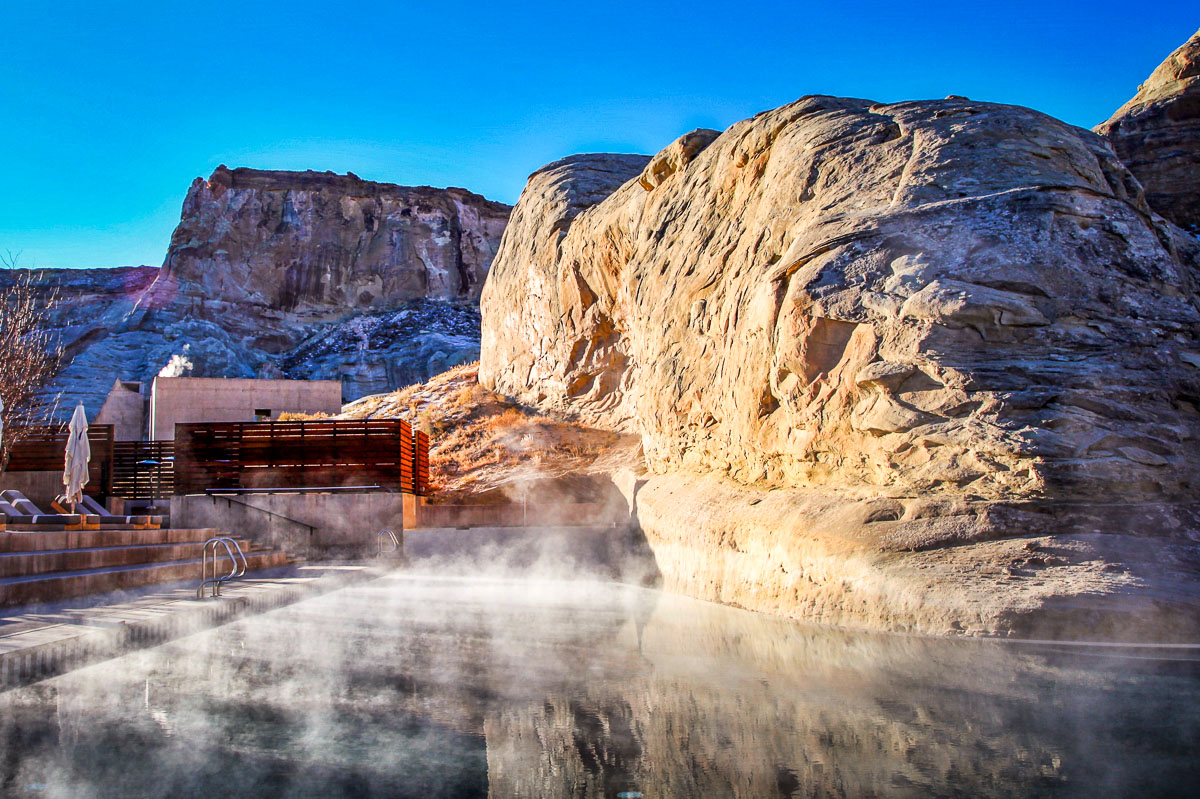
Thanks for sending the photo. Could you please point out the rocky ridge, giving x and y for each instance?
(294, 241)
(290, 274)
(923, 366)
(1157, 135)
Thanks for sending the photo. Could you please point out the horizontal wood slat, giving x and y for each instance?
(44, 448)
(143, 469)
(241, 455)
(421, 464)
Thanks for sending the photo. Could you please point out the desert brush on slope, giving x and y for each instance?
(482, 445)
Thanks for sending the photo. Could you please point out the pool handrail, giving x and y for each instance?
(390, 537)
(236, 570)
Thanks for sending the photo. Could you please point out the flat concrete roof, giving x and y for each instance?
(248, 380)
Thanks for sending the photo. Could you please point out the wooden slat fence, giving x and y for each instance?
(143, 469)
(310, 454)
(421, 464)
(43, 449)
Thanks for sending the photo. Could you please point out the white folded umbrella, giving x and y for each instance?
(79, 452)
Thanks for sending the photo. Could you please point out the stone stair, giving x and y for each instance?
(48, 566)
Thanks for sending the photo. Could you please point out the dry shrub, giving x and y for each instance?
(479, 440)
(506, 420)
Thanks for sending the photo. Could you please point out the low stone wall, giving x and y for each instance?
(312, 525)
(348, 524)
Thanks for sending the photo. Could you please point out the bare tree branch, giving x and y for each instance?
(8, 259)
(30, 355)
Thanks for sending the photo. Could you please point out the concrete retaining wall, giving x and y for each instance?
(40, 487)
(609, 552)
(516, 515)
(311, 525)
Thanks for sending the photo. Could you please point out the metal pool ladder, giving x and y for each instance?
(236, 569)
(388, 542)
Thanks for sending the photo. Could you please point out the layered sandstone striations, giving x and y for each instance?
(297, 240)
(298, 274)
(1157, 135)
(929, 365)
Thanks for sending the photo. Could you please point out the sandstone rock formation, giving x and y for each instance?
(297, 274)
(290, 240)
(1157, 135)
(927, 365)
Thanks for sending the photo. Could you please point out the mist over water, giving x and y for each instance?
(460, 687)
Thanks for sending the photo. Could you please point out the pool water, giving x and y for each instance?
(414, 686)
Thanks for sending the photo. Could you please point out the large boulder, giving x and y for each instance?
(1157, 135)
(525, 337)
(879, 356)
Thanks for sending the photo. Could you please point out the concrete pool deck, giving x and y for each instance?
(42, 641)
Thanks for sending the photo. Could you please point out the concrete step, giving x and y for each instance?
(63, 584)
(13, 541)
(20, 564)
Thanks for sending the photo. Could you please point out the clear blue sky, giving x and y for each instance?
(110, 109)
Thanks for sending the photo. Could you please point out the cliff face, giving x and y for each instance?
(298, 274)
(900, 346)
(1157, 135)
(290, 240)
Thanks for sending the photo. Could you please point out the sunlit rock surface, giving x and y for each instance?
(290, 240)
(880, 357)
(298, 274)
(1157, 135)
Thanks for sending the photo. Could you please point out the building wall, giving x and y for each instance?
(125, 409)
(203, 399)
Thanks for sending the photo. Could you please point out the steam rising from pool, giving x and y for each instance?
(419, 685)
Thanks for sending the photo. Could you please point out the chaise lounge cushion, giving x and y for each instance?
(20, 515)
(92, 506)
(98, 514)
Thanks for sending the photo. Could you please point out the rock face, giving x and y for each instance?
(879, 356)
(90, 304)
(526, 360)
(296, 274)
(298, 240)
(1157, 135)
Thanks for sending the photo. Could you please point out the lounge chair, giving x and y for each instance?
(105, 517)
(23, 512)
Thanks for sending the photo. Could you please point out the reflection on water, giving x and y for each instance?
(426, 687)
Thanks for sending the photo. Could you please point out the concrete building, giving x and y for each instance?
(218, 399)
(125, 409)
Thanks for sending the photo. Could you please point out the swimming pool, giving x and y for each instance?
(418, 686)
